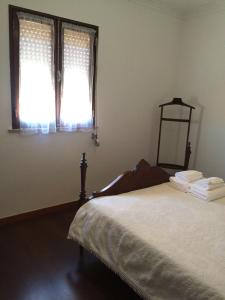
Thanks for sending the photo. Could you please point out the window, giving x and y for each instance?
(53, 71)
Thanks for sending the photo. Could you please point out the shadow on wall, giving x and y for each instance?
(174, 134)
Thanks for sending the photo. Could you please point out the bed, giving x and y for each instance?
(167, 245)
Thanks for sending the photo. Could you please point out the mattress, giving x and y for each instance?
(164, 243)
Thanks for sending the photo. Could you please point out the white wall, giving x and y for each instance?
(137, 54)
(201, 78)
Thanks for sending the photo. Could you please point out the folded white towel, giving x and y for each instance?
(179, 184)
(208, 195)
(210, 183)
(189, 176)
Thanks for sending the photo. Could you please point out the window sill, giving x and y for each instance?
(37, 131)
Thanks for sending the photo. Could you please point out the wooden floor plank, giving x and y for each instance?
(37, 262)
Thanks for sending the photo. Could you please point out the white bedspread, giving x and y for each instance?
(166, 244)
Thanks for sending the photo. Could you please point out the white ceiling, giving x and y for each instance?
(184, 8)
(186, 5)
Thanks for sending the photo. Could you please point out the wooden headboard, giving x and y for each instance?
(142, 176)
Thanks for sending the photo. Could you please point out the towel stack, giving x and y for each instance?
(185, 179)
(209, 189)
(192, 181)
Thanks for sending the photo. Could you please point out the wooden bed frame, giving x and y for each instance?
(142, 176)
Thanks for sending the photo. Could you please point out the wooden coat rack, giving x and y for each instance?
(176, 101)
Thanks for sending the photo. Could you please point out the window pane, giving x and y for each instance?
(36, 93)
(78, 64)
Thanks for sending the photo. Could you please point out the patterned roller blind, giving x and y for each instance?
(36, 61)
(76, 102)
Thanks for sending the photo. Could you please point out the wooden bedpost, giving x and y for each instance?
(83, 169)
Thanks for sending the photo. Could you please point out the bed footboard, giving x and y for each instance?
(142, 176)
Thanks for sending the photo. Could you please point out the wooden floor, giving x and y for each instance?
(37, 262)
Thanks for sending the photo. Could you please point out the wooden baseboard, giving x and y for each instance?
(40, 212)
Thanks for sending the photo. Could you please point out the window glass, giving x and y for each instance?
(36, 77)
